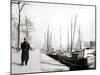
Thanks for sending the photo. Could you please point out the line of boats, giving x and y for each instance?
(74, 58)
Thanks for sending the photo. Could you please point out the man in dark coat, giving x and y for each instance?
(25, 46)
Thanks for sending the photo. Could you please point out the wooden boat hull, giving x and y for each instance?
(74, 64)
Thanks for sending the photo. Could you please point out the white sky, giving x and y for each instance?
(56, 15)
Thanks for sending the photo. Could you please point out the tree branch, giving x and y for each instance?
(22, 7)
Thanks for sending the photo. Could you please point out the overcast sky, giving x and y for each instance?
(56, 15)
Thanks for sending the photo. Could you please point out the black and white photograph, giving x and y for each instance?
(52, 37)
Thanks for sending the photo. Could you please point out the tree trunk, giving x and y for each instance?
(27, 36)
(19, 27)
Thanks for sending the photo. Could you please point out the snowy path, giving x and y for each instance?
(33, 64)
(38, 62)
(49, 64)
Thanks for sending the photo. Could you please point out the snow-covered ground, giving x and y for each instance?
(49, 64)
(33, 64)
(38, 62)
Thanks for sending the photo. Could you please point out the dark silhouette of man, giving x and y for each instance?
(25, 46)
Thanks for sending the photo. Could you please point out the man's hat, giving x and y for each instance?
(24, 38)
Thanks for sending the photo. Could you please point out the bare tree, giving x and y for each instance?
(20, 4)
(26, 28)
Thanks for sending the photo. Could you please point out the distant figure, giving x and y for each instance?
(25, 46)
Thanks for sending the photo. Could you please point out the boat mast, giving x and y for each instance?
(71, 40)
(45, 41)
(68, 40)
(73, 33)
(74, 30)
(80, 40)
(48, 38)
(80, 43)
(60, 37)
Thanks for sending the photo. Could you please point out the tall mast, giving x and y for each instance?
(48, 38)
(45, 41)
(60, 37)
(68, 40)
(74, 30)
(80, 40)
(71, 40)
(73, 34)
